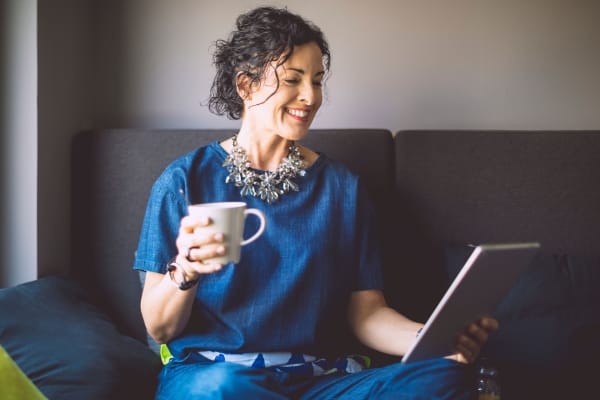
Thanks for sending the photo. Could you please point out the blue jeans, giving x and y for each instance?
(433, 379)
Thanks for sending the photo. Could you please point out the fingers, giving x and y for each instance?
(467, 349)
(489, 324)
(480, 330)
(190, 237)
(195, 246)
(193, 269)
(469, 344)
(205, 250)
(195, 241)
(189, 223)
(477, 333)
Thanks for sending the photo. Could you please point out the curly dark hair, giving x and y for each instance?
(262, 36)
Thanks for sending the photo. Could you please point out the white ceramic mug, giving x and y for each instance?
(228, 218)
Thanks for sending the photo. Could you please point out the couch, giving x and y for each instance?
(436, 193)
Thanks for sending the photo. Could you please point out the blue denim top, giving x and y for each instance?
(291, 288)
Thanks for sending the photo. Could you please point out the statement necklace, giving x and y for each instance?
(267, 186)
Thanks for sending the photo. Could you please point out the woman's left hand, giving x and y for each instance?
(470, 342)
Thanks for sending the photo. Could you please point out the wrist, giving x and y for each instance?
(184, 265)
(178, 276)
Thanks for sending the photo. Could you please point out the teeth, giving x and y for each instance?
(298, 113)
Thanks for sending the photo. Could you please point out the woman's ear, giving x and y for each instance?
(242, 85)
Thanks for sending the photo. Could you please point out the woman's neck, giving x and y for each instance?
(264, 150)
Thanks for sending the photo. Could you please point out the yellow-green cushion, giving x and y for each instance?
(13, 382)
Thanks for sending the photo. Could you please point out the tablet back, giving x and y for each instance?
(476, 291)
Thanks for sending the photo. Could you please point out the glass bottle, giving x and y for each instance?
(488, 384)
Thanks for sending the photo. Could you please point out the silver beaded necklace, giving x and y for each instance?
(268, 186)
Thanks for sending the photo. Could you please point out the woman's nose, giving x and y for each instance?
(308, 93)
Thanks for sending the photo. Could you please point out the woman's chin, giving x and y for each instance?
(296, 133)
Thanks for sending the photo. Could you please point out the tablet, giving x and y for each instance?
(476, 291)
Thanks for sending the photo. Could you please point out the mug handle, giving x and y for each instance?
(261, 228)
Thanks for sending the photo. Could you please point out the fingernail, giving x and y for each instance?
(218, 236)
(221, 250)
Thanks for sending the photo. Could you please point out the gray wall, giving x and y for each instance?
(66, 91)
(397, 64)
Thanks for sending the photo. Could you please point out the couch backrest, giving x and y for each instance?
(113, 171)
(493, 186)
(450, 187)
(478, 186)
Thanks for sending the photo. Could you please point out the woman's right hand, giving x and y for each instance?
(196, 248)
(166, 310)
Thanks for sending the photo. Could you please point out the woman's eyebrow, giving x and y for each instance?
(301, 71)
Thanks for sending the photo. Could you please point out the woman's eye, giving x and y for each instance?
(318, 83)
(292, 81)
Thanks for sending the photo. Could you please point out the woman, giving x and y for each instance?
(269, 326)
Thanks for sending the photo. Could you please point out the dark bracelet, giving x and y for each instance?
(183, 284)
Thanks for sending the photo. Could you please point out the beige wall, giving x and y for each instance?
(397, 64)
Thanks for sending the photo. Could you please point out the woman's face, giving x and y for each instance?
(289, 110)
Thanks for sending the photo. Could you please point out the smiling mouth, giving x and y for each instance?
(298, 114)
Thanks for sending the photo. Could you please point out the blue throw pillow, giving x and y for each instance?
(68, 348)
